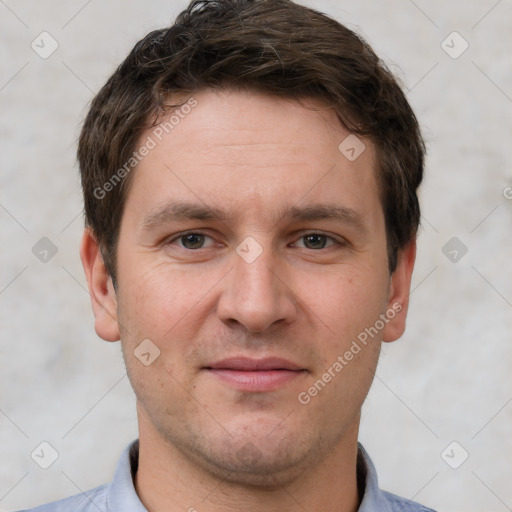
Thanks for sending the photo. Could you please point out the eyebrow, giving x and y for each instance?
(180, 211)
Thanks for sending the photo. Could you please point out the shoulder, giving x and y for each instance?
(90, 501)
(399, 504)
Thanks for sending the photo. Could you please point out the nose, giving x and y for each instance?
(257, 295)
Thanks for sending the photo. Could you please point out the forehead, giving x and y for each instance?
(251, 152)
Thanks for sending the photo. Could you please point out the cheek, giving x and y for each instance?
(156, 299)
(161, 394)
(345, 302)
(168, 307)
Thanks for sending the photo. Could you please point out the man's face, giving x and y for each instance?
(294, 268)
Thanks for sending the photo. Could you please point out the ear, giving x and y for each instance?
(101, 289)
(399, 290)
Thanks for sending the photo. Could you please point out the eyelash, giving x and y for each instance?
(310, 233)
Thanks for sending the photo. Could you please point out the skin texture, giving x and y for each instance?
(204, 443)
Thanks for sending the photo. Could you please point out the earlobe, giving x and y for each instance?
(101, 290)
(399, 290)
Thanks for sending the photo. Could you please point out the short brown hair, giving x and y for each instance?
(272, 46)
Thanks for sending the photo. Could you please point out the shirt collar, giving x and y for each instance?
(122, 494)
(373, 498)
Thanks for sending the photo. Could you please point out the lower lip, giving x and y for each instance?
(263, 380)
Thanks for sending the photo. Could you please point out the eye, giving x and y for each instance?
(317, 241)
(191, 241)
(196, 240)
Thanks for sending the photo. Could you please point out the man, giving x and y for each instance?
(249, 178)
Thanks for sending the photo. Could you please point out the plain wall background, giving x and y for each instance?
(448, 379)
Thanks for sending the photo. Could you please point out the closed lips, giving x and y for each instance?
(253, 365)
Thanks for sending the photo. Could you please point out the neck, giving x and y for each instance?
(170, 480)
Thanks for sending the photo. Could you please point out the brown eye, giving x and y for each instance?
(192, 241)
(315, 241)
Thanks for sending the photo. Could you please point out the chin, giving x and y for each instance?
(264, 461)
(268, 471)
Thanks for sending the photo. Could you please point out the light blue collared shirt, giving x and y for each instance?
(120, 495)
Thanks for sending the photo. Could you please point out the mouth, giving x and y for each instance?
(255, 375)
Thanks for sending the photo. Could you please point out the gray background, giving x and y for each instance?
(449, 377)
